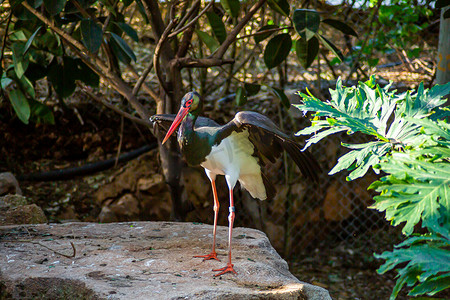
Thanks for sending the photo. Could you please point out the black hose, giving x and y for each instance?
(88, 169)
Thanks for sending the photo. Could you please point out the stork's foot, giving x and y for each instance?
(228, 268)
(212, 255)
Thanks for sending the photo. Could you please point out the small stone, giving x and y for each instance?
(25, 214)
(152, 185)
(9, 184)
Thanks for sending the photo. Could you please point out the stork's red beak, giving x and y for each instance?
(180, 116)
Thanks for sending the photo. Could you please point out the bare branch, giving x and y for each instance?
(264, 32)
(115, 109)
(156, 55)
(233, 34)
(192, 21)
(200, 62)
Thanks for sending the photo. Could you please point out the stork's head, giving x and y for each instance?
(190, 103)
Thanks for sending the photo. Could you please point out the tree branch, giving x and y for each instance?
(115, 109)
(192, 21)
(199, 62)
(219, 53)
(157, 53)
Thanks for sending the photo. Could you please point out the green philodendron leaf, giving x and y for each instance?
(217, 26)
(252, 89)
(306, 23)
(277, 50)
(54, 6)
(307, 51)
(331, 47)
(208, 40)
(425, 265)
(263, 36)
(92, 35)
(409, 203)
(341, 26)
(20, 104)
(123, 47)
(232, 7)
(280, 6)
(282, 96)
(128, 30)
(241, 97)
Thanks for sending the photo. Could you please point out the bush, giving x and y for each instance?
(411, 147)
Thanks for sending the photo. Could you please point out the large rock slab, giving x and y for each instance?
(141, 260)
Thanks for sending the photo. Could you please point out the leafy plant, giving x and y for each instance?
(411, 146)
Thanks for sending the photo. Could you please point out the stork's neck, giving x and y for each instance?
(186, 128)
(194, 145)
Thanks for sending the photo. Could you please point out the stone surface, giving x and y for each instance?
(141, 260)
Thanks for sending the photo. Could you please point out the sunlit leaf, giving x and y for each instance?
(208, 40)
(277, 50)
(306, 22)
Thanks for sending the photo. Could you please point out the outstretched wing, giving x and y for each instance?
(270, 141)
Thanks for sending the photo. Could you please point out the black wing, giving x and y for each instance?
(271, 141)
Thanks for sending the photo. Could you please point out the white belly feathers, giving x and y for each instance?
(233, 158)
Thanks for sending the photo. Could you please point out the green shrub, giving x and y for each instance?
(411, 146)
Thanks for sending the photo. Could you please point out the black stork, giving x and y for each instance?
(235, 150)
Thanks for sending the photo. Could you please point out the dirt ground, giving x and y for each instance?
(348, 272)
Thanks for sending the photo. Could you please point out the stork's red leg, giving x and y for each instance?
(213, 254)
(229, 266)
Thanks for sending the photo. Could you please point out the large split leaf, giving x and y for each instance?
(376, 112)
(427, 265)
